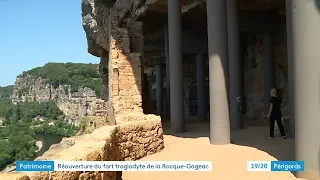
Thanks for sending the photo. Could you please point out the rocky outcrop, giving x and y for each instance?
(75, 105)
(95, 15)
(141, 136)
(120, 60)
(31, 88)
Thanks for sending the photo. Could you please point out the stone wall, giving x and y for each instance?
(253, 76)
(139, 136)
(128, 141)
(124, 67)
(101, 115)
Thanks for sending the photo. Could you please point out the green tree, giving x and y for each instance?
(27, 111)
(6, 155)
(17, 113)
(20, 145)
(5, 92)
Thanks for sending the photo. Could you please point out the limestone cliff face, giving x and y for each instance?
(75, 105)
(96, 22)
(31, 88)
(95, 15)
(121, 71)
(254, 72)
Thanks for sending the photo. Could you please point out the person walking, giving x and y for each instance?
(275, 114)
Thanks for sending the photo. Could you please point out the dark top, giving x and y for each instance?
(276, 105)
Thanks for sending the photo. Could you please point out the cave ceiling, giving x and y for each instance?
(247, 5)
(194, 11)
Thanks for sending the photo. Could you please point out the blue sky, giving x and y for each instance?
(34, 32)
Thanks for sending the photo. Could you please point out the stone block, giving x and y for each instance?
(114, 54)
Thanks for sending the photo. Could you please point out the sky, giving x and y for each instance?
(35, 32)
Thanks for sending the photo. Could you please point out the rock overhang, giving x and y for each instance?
(95, 15)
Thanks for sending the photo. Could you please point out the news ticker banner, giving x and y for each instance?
(293, 166)
(49, 166)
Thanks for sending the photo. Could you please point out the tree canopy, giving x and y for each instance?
(27, 111)
(16, 143)
(5, 92)
(17, 138)
(74, 74)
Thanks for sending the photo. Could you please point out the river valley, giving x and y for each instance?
(44, 141)
(47, 140)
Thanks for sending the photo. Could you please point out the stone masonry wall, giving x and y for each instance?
(125, 84)
(98, 119)
(128, 141)
(136, 139)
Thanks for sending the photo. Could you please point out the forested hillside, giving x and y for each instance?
(21, 121)
(17, 133)
(74, 74)
(27, 111)
(5, 92)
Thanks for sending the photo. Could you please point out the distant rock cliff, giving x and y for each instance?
(76, 102)
(31, 88)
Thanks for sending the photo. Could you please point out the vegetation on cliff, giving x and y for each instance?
(27, 111)
(20, 123)
(74, 74)
(60, 127)
(25, 114)
(17, 135)
(6, 92)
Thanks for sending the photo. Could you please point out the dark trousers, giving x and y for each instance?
(278, 118)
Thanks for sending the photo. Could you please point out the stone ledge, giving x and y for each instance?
(130, 140)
